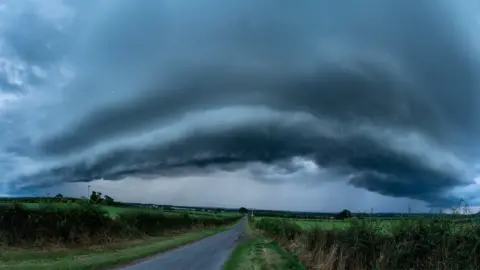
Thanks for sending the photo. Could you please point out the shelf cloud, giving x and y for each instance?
(382, 95)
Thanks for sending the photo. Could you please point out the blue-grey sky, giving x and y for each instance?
(317, 105)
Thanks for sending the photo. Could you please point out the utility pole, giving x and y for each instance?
(88, 193)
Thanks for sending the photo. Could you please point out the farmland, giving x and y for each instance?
(114, 211)
(55, 233)
(50, 234)
(384, 225)
(325, 224)
(428, 242)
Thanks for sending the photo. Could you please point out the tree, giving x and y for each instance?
(96, 197)
(343, 215)
(59, 196)
(108, 200)
(243, 210)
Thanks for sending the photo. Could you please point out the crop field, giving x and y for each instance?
(25, 224)
(114, 211)
(313, 224)
(324, 224)
(382, 225)
(30, 230)
(376, 243)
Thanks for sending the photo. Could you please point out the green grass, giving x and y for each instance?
(242, 257)
(342, 224)
(261, 254)
(324, 224)
(428, 243)
(101, 257)
(383, 224)
(114, 211)
(257, 252)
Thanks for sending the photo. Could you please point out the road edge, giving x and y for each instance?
(248, 254)
(121, 265)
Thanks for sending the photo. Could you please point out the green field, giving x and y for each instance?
(382, 225)
(87, 235)
(376, 243)
(324, 224)
(114, 211)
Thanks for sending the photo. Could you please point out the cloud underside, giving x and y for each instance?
(234, 138)
(184, 89)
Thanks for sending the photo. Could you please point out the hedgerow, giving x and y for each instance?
(89, 224)
(435, 243)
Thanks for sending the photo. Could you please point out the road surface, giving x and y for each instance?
(207, 254)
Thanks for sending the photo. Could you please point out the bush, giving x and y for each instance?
(276, 227)
(87, 224)
(437, 243)
(154, 224)
(343, 215)
(20, 225)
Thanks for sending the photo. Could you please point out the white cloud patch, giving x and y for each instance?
(6, 99)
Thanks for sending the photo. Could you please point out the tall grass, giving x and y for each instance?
(435, 243)
(88, 224)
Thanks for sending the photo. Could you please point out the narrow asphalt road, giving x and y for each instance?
(207, 254)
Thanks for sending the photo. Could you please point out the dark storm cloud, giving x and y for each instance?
(384, 93)
(374, 166)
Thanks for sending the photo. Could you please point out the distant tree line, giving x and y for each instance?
(95, 198)
(344, 214)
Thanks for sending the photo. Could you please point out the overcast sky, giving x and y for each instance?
(314, 106)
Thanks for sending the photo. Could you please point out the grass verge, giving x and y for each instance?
(100, 257)
(257, 252)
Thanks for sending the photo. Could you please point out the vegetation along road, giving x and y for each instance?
(207, 254)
